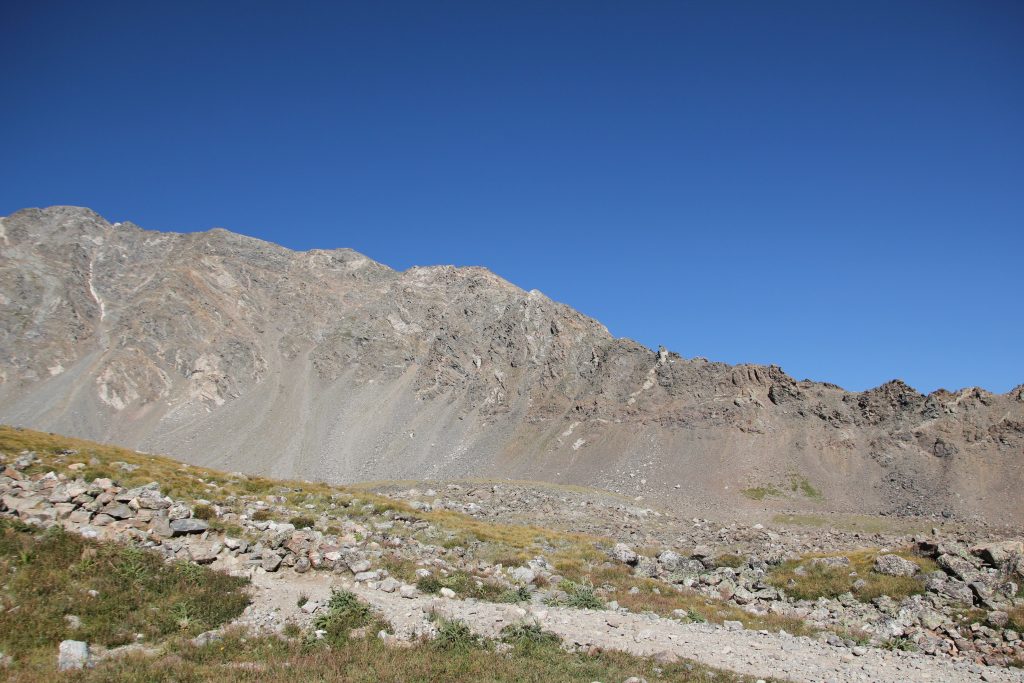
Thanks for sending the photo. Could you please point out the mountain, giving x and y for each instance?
(232, 352)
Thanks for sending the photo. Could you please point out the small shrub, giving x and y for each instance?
(302, 522)
(529, 636)
(429, 584)
(261, 515)
(519, 594)
(579, 596)
(455, 636)
(730, 560)
(203, 511)
(344, 612)
(901, 643)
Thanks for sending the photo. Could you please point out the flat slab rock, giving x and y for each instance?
(180, 527)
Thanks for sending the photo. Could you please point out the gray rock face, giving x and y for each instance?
(111, 332)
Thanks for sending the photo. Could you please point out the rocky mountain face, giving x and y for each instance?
(232, 352)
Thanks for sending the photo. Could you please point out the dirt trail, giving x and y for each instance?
(747, 652)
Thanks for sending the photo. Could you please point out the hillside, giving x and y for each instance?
(231, 352)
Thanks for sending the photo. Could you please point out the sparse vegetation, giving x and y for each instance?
(800, 484)
(1016, 619)
(903, 644)
(518, 594)
(807, 580)
(761, 492)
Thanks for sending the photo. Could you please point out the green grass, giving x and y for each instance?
(529, 637)
(464, 584)
(818, 581)
(49, 574)
(578, 595)
(455, 636)
(532, 659)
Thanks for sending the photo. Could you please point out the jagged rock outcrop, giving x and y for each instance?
(233, 352)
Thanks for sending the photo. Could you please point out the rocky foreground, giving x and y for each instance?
(414, 563)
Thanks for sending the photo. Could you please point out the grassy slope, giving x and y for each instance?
(117, 592)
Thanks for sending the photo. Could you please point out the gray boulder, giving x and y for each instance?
(670, 560)
(72, 655)
(894, 565)
(623, 553)
(271, 562)
(180, 527)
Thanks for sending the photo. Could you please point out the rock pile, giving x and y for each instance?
(986, 578)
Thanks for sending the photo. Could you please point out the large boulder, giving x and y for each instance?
(522, 574)
(72, 655)
(1000, 554)
(670, 560)
(957, 566)
(623, 553)
(894, 565)
(646, 567)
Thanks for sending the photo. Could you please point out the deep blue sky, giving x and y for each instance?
(836, 187)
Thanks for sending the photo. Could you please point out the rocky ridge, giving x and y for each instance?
(232, 352)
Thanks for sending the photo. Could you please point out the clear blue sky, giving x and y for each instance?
(836, 187)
